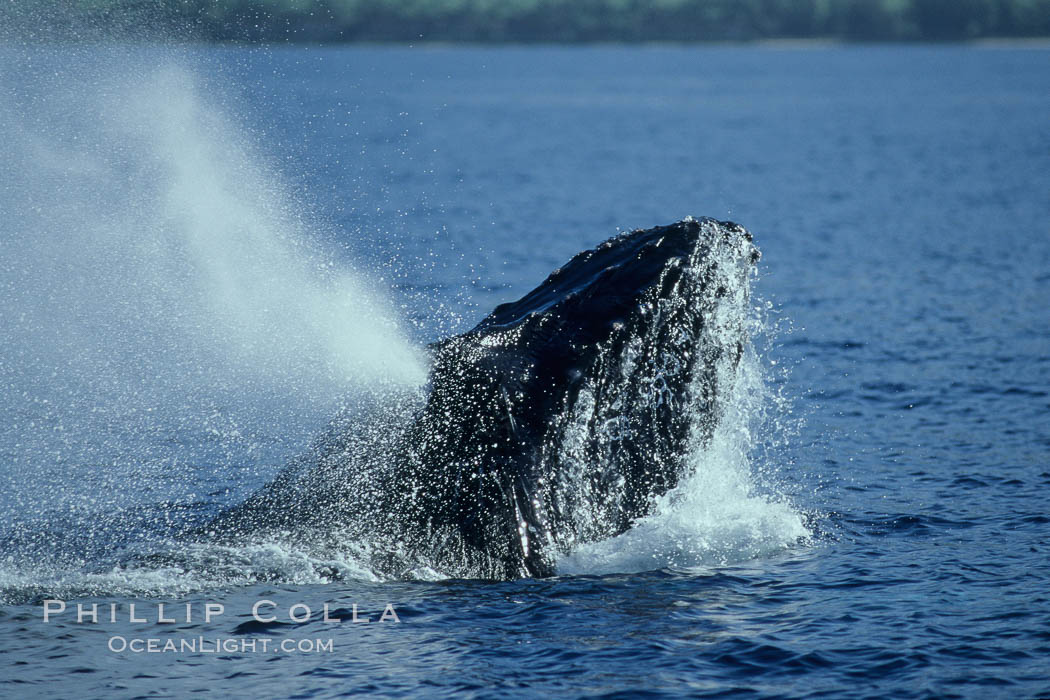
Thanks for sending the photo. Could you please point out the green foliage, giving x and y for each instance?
(573, 20)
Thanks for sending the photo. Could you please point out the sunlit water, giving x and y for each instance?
(208, 252)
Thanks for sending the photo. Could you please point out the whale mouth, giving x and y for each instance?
(560, 419)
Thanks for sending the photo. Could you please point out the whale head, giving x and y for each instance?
(562, 417)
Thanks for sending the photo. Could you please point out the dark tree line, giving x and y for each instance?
(550, 20)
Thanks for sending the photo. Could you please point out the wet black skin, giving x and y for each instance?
(473, 483)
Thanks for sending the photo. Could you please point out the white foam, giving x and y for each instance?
(182, 569)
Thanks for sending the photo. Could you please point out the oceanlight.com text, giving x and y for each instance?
(219, 645)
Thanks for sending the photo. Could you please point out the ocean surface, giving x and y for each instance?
(207, 253)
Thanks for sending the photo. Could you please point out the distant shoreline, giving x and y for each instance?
(1042, 44)
(790, 44)
(532, 22)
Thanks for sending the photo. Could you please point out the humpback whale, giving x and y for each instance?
(559, 419)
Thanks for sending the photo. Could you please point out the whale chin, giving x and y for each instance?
(559, 419)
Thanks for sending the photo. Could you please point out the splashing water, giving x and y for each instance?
(169, 317)
(721, 513)
(165, 296)
(146, 212)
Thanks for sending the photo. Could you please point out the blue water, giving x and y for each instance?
(896, 480)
